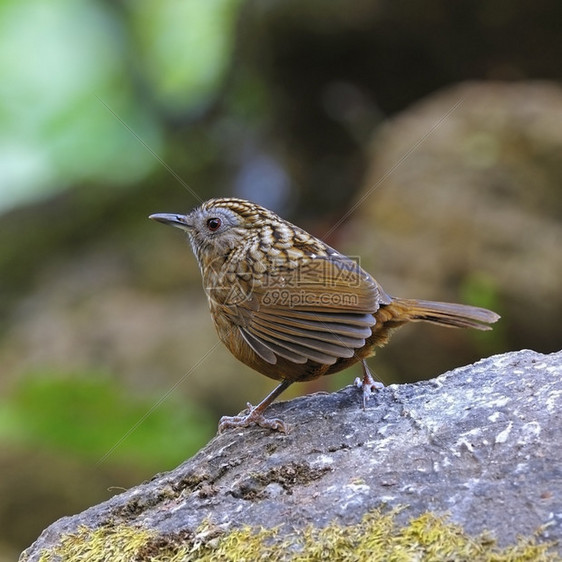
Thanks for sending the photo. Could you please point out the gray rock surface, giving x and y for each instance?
(481, 442)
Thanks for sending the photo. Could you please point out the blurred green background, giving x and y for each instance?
(437, 125)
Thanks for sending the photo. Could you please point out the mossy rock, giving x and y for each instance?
(377, 537)
(437, 470)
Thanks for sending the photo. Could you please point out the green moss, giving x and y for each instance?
(118, 544)
(377, 537)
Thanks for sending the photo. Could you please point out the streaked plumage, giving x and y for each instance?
(291, 307)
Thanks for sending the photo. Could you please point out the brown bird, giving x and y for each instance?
(291, 307)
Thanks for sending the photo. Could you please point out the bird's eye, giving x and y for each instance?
(213, 224)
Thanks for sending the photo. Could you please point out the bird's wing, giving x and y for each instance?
(321, 310)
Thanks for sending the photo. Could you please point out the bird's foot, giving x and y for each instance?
(368, 385)
(253, 417)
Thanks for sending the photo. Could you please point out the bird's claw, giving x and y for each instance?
(368, 385)
(253, 417)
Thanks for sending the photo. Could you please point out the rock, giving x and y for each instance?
(480, 443)
(462, 203)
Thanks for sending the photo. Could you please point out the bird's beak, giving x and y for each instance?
(179, 221)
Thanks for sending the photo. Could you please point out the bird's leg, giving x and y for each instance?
(368, 385)
(255, 414)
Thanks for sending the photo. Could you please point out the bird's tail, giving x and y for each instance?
(444, 313)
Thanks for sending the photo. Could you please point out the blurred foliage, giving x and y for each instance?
(56, 57)
(188, 79)
(69, 70)
(480, 289)
(94, 417)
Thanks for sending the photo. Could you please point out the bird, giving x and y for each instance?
(291, 307)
